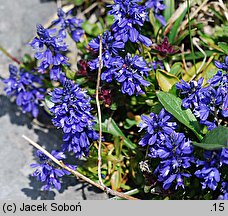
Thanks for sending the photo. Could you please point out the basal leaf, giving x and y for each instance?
(174, 31)
(173, 105)
(170, 8)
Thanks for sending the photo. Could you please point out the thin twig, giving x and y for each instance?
(91, 7)
(183, 58)
(9, 55)
(76, 173)
(99, 113)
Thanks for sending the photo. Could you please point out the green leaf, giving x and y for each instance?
(173, 105)
(116, 179)
(78, 2)
(154, 22)
(176, 69)
(224, 47)
(69, 73)
(130, 123)
(110, 126)
(170, 8)
(91, 28)
(166, 80)
(174, 31)
(215, 139)
(27, 59)
(48, 102)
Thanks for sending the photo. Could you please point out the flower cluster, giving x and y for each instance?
(157, 7)
(110, 49)
(50, 47)
(72, 114)
(172, 148)
(210, 103)
(210, 170)
(129, 16)
(47, 172)
(72, 25)
(26, 87)
(128, 72)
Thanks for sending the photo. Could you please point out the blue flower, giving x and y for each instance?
(129, 16)
(173, 149)
(210, 170)
(190, 92)
(176, 154)
(50, 47)
(110, 49)
(210, 175)
(26, 87)
(209, 103)
(157, 7)
(222, 65)
(128, 72)
(158, 128)
(47, 172)
(73, 25)
(72, 114)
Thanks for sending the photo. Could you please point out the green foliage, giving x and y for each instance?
(109, 126)
(166, 80)
(170, 8)
(215, 139)
(173, 105)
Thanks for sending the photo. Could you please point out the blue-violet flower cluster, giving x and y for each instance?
(172, 148)
(72, 25)
(129, 17)
(209, 103)
(72, 114)
(47, 172)
(26, 87)
(129, 72)
(209, 171)
(50, 48)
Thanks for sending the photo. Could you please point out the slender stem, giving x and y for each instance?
(99, 113)
(8, 55)
(190, 35)
(76, 173)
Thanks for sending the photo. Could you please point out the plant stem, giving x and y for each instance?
(8, 55)
(77, 174)
(99, 114)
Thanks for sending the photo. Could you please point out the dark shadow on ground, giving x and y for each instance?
(36, 193)
(15, 114)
